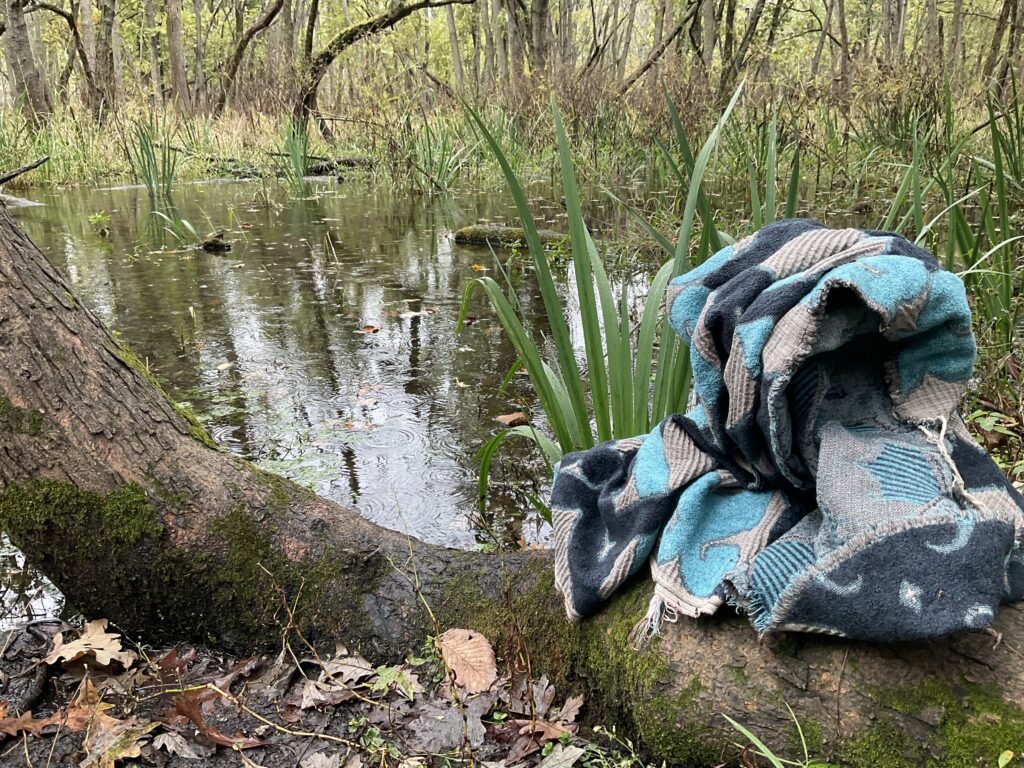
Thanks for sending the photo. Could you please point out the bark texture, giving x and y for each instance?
(126, 504)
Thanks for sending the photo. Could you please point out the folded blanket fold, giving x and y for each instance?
(822, 479)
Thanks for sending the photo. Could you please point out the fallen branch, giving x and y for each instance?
(5, 177)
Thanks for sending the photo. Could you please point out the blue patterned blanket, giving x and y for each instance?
(822, 479)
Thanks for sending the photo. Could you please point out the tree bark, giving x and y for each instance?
(997, 36)
(104, 57)
(153, 44)
(130, 509)
(199, 100)
(540, 37)
(825, 25)
(95, 95)
(29, 82)
(180, 93)
(453, 42)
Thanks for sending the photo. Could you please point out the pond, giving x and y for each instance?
(323, 345)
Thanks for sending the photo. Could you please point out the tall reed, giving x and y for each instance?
(621, 395)
(152, 156)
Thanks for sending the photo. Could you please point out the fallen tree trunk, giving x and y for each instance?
(127, 505)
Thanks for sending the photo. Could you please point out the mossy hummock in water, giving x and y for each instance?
(512, 238)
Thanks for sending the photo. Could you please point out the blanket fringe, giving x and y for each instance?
(649, 626)
(959, 487)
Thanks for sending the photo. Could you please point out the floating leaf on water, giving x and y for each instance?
(470, 657)
(369, 329)
(223, 366)
(478, 268)
(516, 419)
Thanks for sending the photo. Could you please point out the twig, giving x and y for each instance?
(5, 177)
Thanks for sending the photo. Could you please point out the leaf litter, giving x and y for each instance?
(108, 704)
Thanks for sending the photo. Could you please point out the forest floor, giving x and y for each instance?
(84, 696)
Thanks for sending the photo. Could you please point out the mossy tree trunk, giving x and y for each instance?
(124, 502)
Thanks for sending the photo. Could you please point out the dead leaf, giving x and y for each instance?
(541, 728)
(562, 757)
(318, 694)
(321, 760)
(176, 744)
(516, 419)
(570, 710)
(188, 707)
(12, 726)
(470, 657)
(347, 669)
(368, 329)
(478, 267)
(173, 665)
(95, 642)
(114, 740)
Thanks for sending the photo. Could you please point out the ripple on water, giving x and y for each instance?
(395, 435)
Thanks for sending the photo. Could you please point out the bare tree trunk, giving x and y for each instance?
(103, 64)
(489, 77)
(956, 38)
(844, 48)
(180, 94)
(997, 37)
(500, 43)
(1013, 50)
(94, 96)
(540, 36)
(137, 517)
(453, 41)
(516, 42)
(710, 36)
(199, 100)
(156, 89)
(901, 30)
(117, 47)
(246, 37)
(825, 27)
(730, 31)
(732, 68)
(627, 44)
(476, 50)
(89, 28)
(29, 83)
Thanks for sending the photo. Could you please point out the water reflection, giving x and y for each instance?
(322, 345)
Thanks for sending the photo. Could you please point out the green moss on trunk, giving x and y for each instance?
(19, 420)
(110, 554)
(195, 428)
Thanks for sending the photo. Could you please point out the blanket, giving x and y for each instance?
(822, 479)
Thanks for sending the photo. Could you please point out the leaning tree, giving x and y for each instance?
(123, 500)
(314, 66)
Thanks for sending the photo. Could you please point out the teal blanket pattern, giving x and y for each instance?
(822, 479)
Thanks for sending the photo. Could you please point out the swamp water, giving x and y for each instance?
(321, 346)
